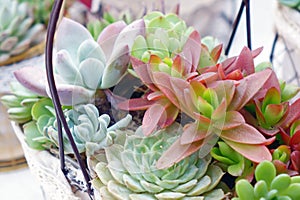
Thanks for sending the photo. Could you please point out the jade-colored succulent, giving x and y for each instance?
(271, 110)
(165, 37)
(18, 32)
(231, 161)
(129, 171)
(90, 131)
(19, 103)
(268, 185)
(33, 130)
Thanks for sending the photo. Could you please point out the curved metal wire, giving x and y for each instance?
(59, 113)
(245, 3)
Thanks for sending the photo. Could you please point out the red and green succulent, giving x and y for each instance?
(211, 96)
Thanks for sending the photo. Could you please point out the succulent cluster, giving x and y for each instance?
(18, 30)
(130, 171)
(89, 130)
(268, 185)
(235, 118)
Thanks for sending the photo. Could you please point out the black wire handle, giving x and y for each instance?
(245, 3)
(54, 16)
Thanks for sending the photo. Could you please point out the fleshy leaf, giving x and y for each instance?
(109, 35)
(72, 42)
(247, 88)
(36, 83)
(255, 153)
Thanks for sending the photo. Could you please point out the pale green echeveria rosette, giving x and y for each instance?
(83, 65)
(165, 36)
(18, 32)
(129, 171)
(90, 131)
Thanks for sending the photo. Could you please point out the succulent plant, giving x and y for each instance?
(90, 132)
(18, 32)
(268, 185)
(271, 110)
(82, 65)
(33, 130)
(165, 37)
(231, 161)
(130, 171)
(96, 26)
(281, 158)
(19, 103)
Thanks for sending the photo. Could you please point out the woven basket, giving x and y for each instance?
(287, 24)
(46, 168)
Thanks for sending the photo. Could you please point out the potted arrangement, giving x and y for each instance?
(156, 112)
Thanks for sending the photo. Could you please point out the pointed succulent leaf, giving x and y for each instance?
(109, 35)
(272, 97)
(254, 152)
(116, 67)
(247, 88)
(244, 134)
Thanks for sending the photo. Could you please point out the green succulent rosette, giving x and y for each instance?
(165, 37)
(18, 31)
(129, 171)
(268, 185)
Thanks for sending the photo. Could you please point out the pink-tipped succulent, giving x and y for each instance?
(291, 137)
(215, 111)
(83, 65)
(161, 111)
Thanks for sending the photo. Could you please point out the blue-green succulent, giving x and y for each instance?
(129, 171)
(90, 131)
